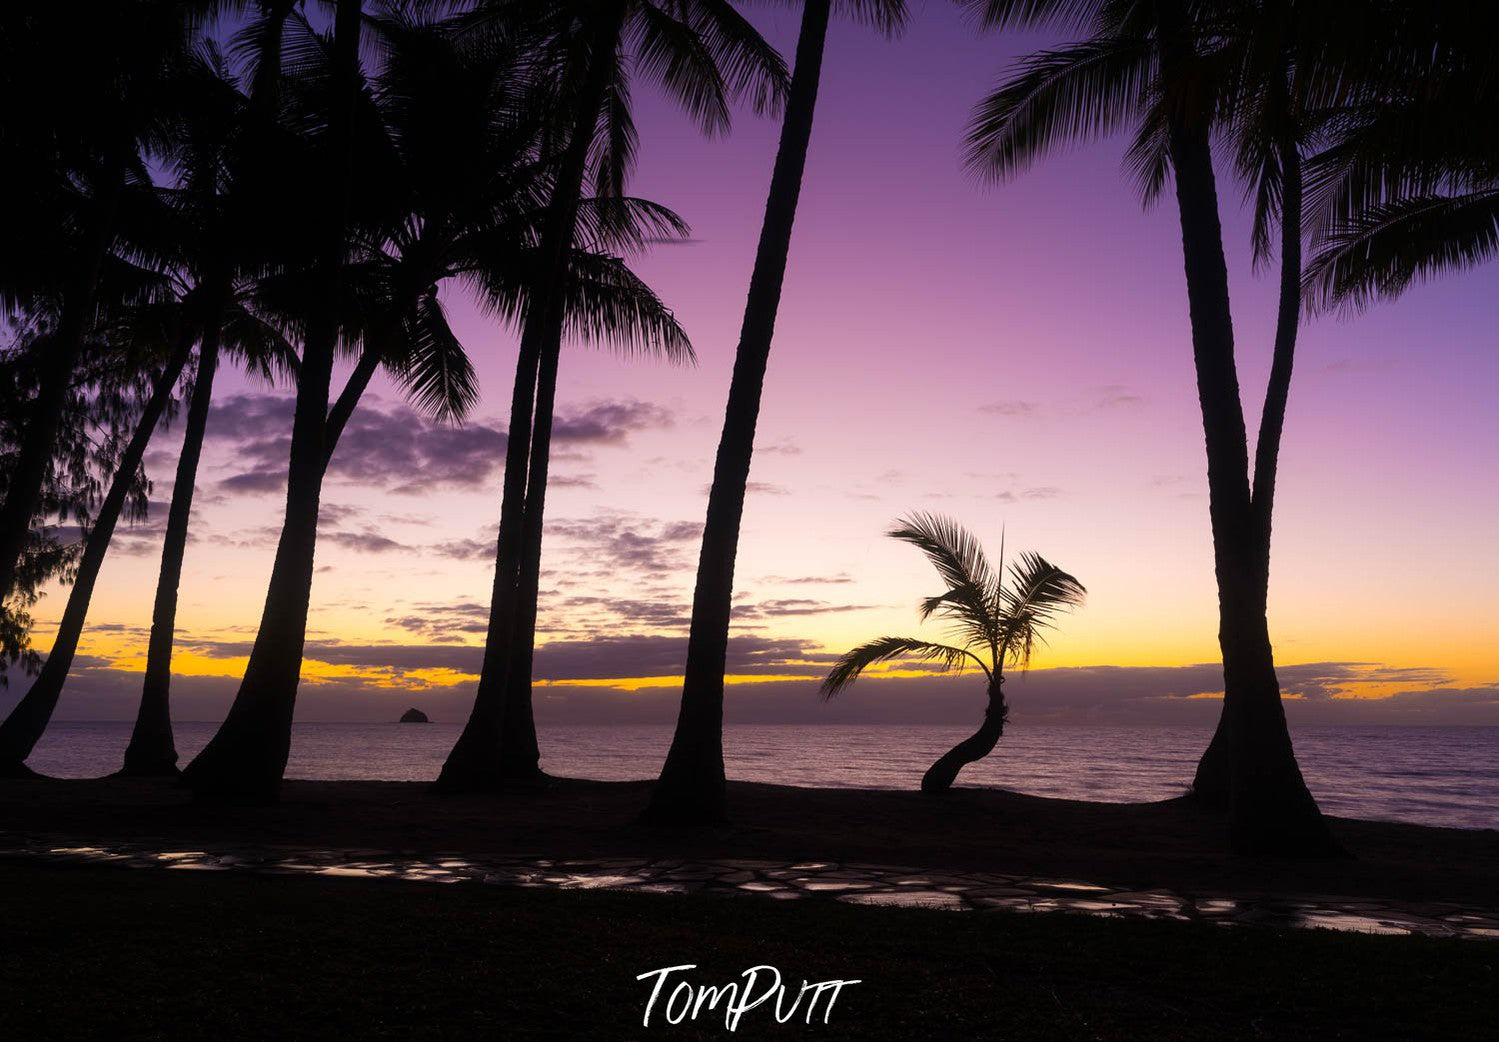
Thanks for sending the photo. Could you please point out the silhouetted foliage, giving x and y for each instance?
(991, 624)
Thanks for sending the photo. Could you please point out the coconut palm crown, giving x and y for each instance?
(991, 624)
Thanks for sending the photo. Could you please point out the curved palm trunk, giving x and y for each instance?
(1270, 809)
(692, 787)
(26, 723)
(940, 775)
(246, 758)
(481, 759)
(152, 751)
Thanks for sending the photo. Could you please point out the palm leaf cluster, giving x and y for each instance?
(991, 623)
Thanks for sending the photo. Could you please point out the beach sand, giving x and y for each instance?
(1170, 844)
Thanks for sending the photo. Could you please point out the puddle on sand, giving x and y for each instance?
(861, 884)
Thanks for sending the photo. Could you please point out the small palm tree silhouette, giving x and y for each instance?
(992, 625)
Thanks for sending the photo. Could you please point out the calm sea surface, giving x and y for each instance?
(1428, 775)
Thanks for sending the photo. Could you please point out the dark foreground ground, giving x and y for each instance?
(105, 952)
(1169, 844)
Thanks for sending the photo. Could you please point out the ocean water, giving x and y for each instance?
(1427, 775)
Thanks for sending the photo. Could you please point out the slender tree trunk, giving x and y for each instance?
(476, 761)
(692, 788)
(152, 751)
(1270, 809)
(40, 439)
(348, 398)
(24, 727)
(246, 759)
(940, 775)
(519, 752)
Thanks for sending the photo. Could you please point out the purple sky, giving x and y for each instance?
(1014, 356)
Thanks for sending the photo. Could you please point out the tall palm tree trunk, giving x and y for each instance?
(246, 758)
(692, 787)
(940, 775)
(152, 751)
(24, 726)
(519, 752)
(1270, 809)
(1212, 784)
(24, 484)
(476, 761)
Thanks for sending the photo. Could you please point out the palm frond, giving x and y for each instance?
(675, 56)
(1061, 98)
(434, 368)
(953, 550)
(854, 662)
(1037, 593)
(750, 66)
(1033, 14)
(1382, 251)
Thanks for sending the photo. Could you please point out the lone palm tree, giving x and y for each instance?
(1169, 71)
(992, 625)
(692, 788)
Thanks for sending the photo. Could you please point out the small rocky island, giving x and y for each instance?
(414, 716)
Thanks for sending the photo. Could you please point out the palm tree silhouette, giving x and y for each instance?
(74, 154)
(215, 223)
(24, 726)
(1411, 179)
(992, 625)
(1174, 80)
(692, 787)
(450, 189)
(703, 53)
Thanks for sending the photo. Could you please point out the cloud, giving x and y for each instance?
(367, 541)
(1037, 492)
(791, 606)
(1114, 395)
(618, 542)
(383, 676)
(391, 446)
(1012, 407)
(610, 422)
(809, 580)
(480, 549)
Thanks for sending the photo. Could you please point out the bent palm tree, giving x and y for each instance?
(992, 625)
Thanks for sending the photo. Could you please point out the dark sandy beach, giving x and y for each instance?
(1169, 844)
(161, 954)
